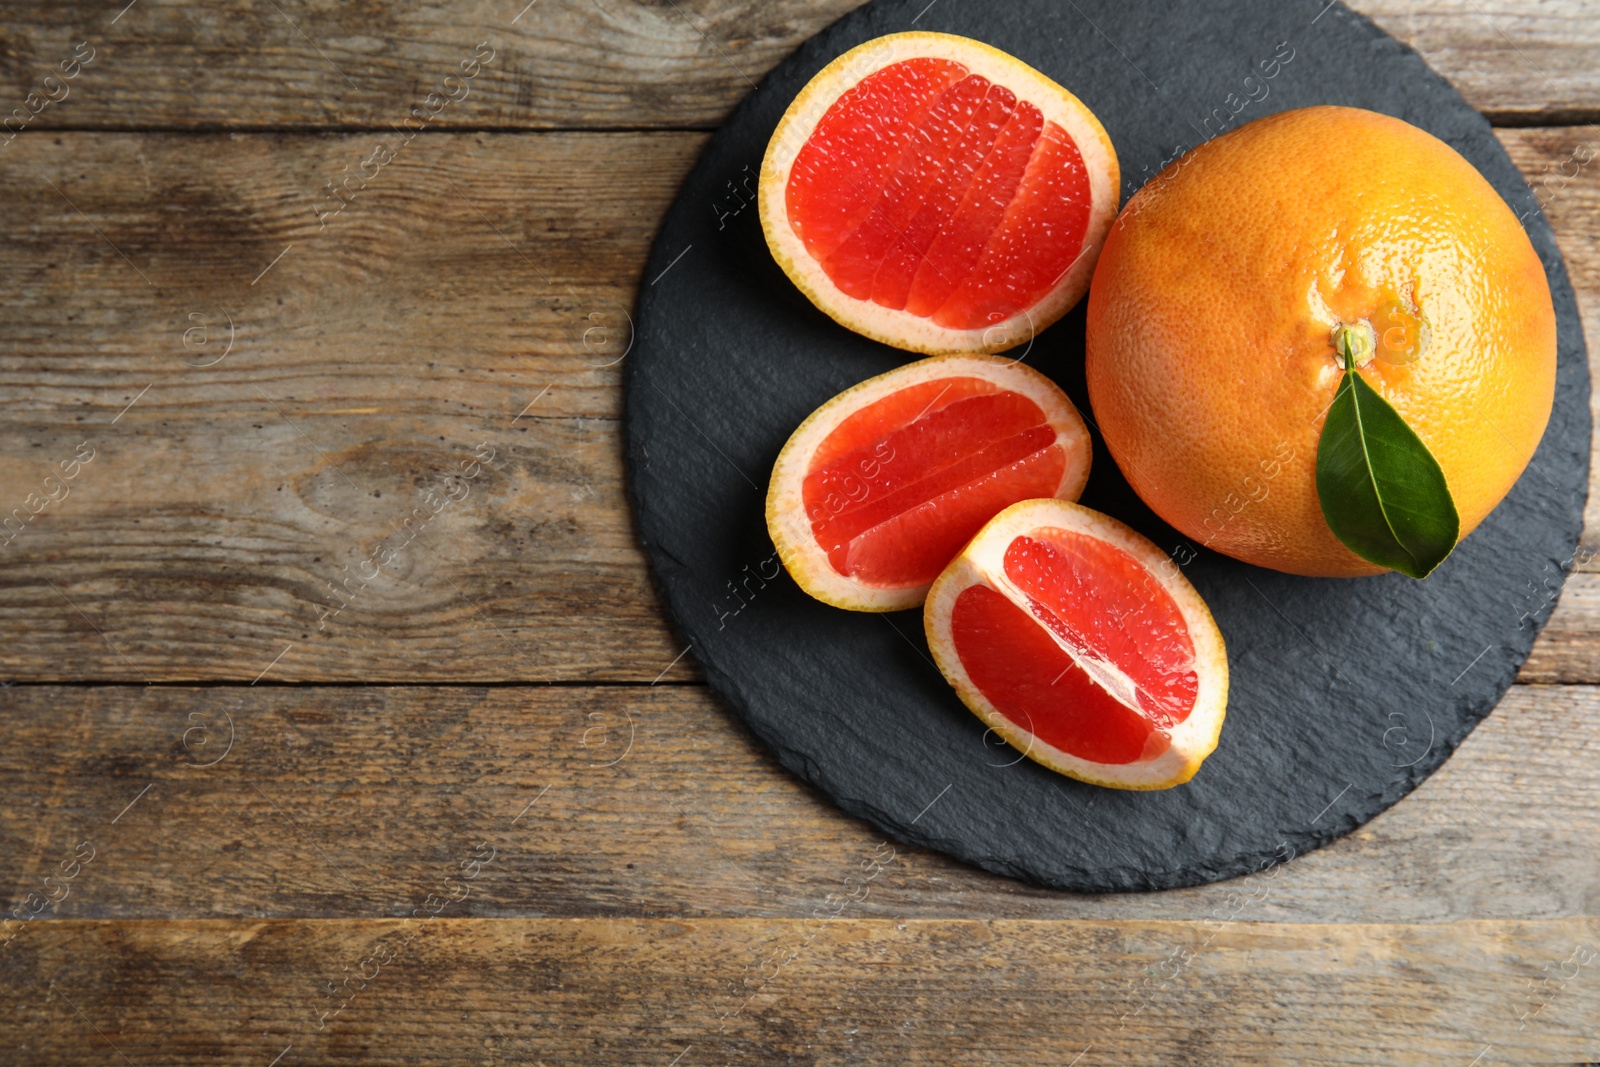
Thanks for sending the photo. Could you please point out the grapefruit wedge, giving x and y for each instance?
(938, 195)
(1080, 643)
(881, 487)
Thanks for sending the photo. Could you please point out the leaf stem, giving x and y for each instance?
(1353, 343)
(1382, 492)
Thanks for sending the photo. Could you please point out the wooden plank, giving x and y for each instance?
(557, 63)
(353, 387)
(1563, 170)
(624, 63)
(480, 295)
(1562, 167)
(470, 273)
(1523, 62)
(846, 990)
(619, 802)
(1568, 649)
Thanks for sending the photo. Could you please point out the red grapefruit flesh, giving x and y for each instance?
(1081, 644)
(937, 194)
(881, 487)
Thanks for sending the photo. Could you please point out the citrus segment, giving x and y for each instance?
(896, 511)
(955, 251)
(880, 488)
(855, 147)
(1110, 611)
(1038, 240)
(1081, 644)
(1031, 680)
(937, 194)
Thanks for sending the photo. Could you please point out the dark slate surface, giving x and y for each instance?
(1345, 694)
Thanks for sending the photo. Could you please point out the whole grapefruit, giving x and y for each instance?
(1213, 311)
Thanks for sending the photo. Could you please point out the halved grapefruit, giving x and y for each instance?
(1081, 644)
(881, 487)
(938, 195)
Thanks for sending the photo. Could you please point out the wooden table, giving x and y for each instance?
(267, 801)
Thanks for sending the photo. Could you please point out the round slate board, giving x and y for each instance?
(1345, 693)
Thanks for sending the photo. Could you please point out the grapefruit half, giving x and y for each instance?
(938, 195)
(1081, 644)
(882, 486)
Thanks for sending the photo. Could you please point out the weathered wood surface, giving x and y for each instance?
(652, 802)
(849, 990)
(1522, 62)
(476, 275)
(655, 881)
(605, 63)
(477, 293)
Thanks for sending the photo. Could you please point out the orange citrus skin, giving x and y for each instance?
(1211, 362)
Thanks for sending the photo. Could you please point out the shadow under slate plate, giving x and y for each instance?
(1345, 693)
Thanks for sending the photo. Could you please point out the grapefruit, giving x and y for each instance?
(1080, 643)
(1222, 288)
(937, 194)
(883, 484)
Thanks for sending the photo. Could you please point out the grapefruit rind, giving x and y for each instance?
(981, 563)
(902, 329)
(790, 525)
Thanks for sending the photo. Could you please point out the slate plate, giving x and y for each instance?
(1345, 694)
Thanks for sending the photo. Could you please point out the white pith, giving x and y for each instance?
(790, 525)
(982, 563)
(902, 328)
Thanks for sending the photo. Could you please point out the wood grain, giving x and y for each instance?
(608, 63)
(353, 388)
(1523, 63)
(647, 884)
(847, 990)
(652, 802)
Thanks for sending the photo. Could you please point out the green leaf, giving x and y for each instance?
(1381, 490)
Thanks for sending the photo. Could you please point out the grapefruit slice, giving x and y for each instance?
(938, 195)
(880, 488)
(1081, 644)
